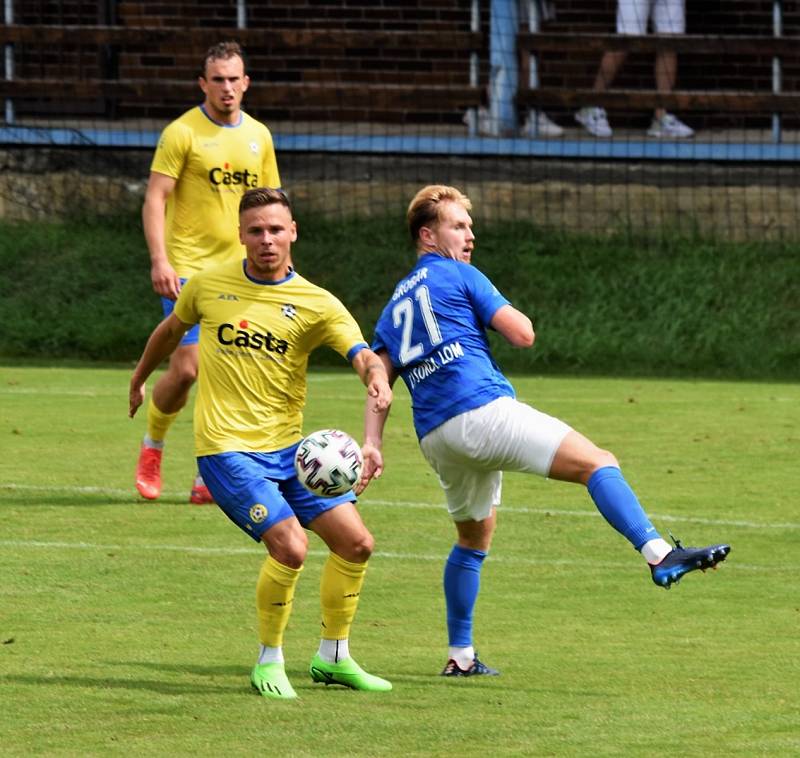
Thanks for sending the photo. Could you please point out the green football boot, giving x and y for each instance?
(347, 673)
(269, 680)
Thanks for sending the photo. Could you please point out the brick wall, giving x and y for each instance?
(378, 64)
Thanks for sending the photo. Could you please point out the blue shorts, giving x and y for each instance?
(192, 336)
(257, 490)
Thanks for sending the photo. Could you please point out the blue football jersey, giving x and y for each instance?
(434, 330)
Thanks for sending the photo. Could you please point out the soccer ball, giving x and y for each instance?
(328, 462)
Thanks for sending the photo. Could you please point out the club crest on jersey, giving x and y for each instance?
(258, 513)
(254, 148)
(288, 310)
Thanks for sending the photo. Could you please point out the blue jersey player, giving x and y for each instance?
(432, 333)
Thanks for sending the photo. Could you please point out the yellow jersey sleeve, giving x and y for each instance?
(185, 306)
(269, 168)
(339, 330)
(172, 149)
(213, 165)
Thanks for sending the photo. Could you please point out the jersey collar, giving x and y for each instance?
(286, 278)
(219, 123)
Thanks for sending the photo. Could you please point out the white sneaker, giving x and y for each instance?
(488, 126)
(538, 124)
(669, 126)
(595, 121)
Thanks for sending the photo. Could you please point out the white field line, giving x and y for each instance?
(580, 565)
(369, 502)
(357, 393)
(122, 389)
(559, 512)
(357, 396)
(55, 392)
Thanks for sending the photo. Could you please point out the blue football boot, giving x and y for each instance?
(476, 668)
(681, 560)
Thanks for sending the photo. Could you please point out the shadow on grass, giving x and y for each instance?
(297, 672)
(194, 669)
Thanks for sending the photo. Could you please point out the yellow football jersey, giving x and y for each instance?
(213, 164)
(255, 339)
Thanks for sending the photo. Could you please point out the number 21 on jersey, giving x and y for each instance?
(403, 318)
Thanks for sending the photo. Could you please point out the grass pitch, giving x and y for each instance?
(129, 628)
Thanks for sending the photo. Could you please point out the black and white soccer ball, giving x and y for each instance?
(328, 462)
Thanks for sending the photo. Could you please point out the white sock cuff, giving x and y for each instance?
(333, 651)
(270, 654)
(654, 551)
(463, 656)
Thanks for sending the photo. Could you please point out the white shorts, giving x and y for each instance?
(667, 16)
(469, 452)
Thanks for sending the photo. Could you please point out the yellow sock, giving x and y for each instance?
(158, 423)
(340, 588)
(274, 595)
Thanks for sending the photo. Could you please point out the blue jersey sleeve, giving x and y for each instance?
(377, 342)
(486, 299)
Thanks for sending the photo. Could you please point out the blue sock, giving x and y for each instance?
(462, 580)
(616, 501)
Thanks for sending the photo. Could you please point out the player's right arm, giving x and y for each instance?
(162, 342)
(165, 281)
(514, 325)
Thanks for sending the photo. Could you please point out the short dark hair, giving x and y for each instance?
(223, 51)
(261, 196)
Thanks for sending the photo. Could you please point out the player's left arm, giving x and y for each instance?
(162, 342)
(372, 372)
(494, 310)
(375, 416)
(514, 325)
(345, 337)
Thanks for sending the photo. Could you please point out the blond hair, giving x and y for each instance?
(424, 209)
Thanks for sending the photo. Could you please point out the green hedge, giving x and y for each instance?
(684, 307)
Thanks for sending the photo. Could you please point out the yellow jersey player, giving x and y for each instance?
(204, 162)
(259, 320)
